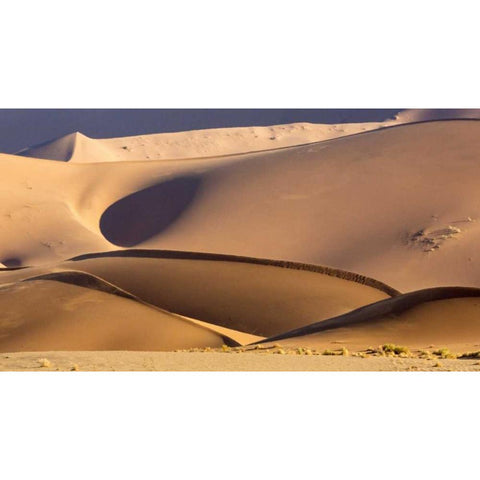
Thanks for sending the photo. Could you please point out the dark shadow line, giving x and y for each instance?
(146, 213)
(87, 280)
(375, 311)
(183, 255)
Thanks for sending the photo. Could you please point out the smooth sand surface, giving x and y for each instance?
(452, 322)
(256, 299)
(351, 214)
(78, 148)
(56, 315)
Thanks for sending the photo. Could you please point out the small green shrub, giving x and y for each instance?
(444, 353)
(395, 349)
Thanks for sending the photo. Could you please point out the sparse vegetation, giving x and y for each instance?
(385, 350)
(395, 349)
(445, 353)
(426, 354)
(470, 355)
(45, 363)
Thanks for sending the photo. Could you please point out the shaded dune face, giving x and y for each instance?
(11, 262)
(69, 148)
(58, 312)
(60, 149)
(245, 296)
(441, 316)
(142, 215)
(253, 298)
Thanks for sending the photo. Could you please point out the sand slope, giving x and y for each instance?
(249, 295)
(438, 317)
(257, 299)
(78, 148)
(75, 311)
(355, 203)
(70, 148)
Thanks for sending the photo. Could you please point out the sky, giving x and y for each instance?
(21, 128)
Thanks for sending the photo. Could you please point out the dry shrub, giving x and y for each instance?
(44, 362)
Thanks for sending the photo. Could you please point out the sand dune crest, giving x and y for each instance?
(57, 312)
(439, 316)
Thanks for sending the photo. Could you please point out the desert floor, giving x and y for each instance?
(216, 361)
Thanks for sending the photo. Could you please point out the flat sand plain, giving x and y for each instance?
(113, 361)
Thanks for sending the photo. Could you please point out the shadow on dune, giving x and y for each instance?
(182, 255)
(12, 262)
(388, 308)
(146, 213)
(87, 280)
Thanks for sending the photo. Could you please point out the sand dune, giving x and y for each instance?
(426, 115)
(354, 203)
(347, 220)
(185, 227)
(75, 311)
(256, 299)
(425, 318)
(249, 295)
(74, 147)
(70, 148)
(78, 148)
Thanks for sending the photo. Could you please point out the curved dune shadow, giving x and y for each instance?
(385, 310)
(11, 262)
(146, 213)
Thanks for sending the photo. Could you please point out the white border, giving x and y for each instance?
(238, 425)
(249, 54)
(346, 54)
